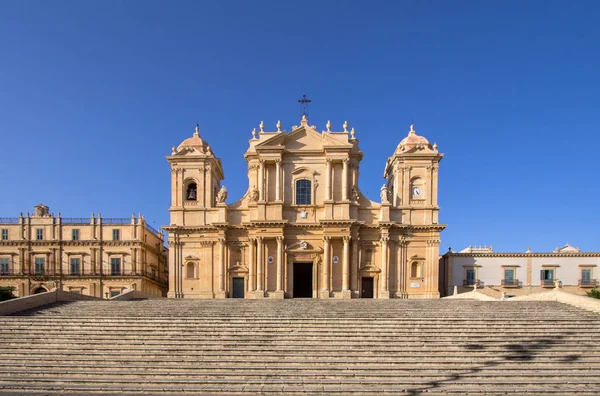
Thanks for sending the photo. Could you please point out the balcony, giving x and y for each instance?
(548, 282)
(591, 283)
(511, 283)
(472, 283)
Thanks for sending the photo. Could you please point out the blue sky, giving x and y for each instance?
(93, 94)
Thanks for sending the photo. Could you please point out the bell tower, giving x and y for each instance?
(412, 179)
(196, 176)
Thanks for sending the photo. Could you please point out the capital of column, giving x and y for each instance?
(385, 238)
(279, 239)
(346, 238)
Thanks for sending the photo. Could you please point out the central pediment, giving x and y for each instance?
(302, 138)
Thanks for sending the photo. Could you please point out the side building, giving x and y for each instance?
(303, 228)
(519, 273)
(96, 256)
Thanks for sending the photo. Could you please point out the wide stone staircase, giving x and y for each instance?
(314, 347)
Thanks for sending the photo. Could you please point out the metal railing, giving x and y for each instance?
(587, 283)
(117, 220)
(76, 220)
(9, 220)
(547, 282)
(151, 229)
(472, 283)
(511, 283)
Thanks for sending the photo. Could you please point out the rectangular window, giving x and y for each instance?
(471, 276)
(153, 274)
(509, 275)
(5, 234)
(547, 275)
(303, 192)
(4, 266)
(586, 277)
(39, 234)
(75, 234)
(115, 266)
(39, 266)
(114, 293)
(75, 266)
(116, 235)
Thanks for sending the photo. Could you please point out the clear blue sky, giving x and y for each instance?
(93, 95)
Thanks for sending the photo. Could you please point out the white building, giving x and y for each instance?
(519, 273)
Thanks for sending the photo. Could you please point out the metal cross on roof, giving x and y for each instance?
(304, 105)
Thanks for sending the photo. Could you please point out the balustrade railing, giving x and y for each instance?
(587, 283)
(75, 220)
(511, 283)
(9, 220)
(472, 283)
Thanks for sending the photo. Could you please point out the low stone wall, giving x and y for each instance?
(472, 295)
(132, 294)
(38, 300)
(585, 302)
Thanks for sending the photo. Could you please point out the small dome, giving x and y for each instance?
(196, 142)
(413, 140)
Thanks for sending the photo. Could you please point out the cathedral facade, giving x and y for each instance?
(303, 228)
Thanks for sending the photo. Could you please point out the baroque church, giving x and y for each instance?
(304, 229)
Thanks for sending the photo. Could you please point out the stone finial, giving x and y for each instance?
(209, 150)
(434, 146)
(345, 126)
(173, 150)
(528, 250)
(352, 133)
(254, 133)
(197, 132)
(455, 290)
(328, 126)
(278, 126)
(304, 120)
(412, 129)
(262, 126)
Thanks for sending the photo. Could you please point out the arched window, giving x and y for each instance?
(190, 270)
(303, 192)
(415, 270)
(191, 192)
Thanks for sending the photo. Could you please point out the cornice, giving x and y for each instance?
(524, 255)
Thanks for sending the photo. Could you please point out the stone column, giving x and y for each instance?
(209, 189)
(396, 197)
(259, 264)
(278, 180)
(354, 265)
(251, 266)
(200, 188)
(383, 284)
(279, 264)
(345, 179)
(328, 181)
(221, 265)
(261, 180)
(346, 267)
(325, 283)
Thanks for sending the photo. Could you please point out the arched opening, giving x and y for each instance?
(190, 270)
(415, 270)
(303, 192)
(417, 188)
(39, 290)
(191, 192)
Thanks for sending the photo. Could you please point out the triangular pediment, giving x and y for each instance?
(301, 138)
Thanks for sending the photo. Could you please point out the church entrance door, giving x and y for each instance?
(238, 288)
(367, 288)
(303, 280)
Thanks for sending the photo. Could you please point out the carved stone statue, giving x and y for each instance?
(253, 194)
(222, 195)
(384, 195)
(355, 196)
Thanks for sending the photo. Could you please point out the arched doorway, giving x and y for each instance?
(39, 290)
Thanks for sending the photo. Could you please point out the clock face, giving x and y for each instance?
(417, 191)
